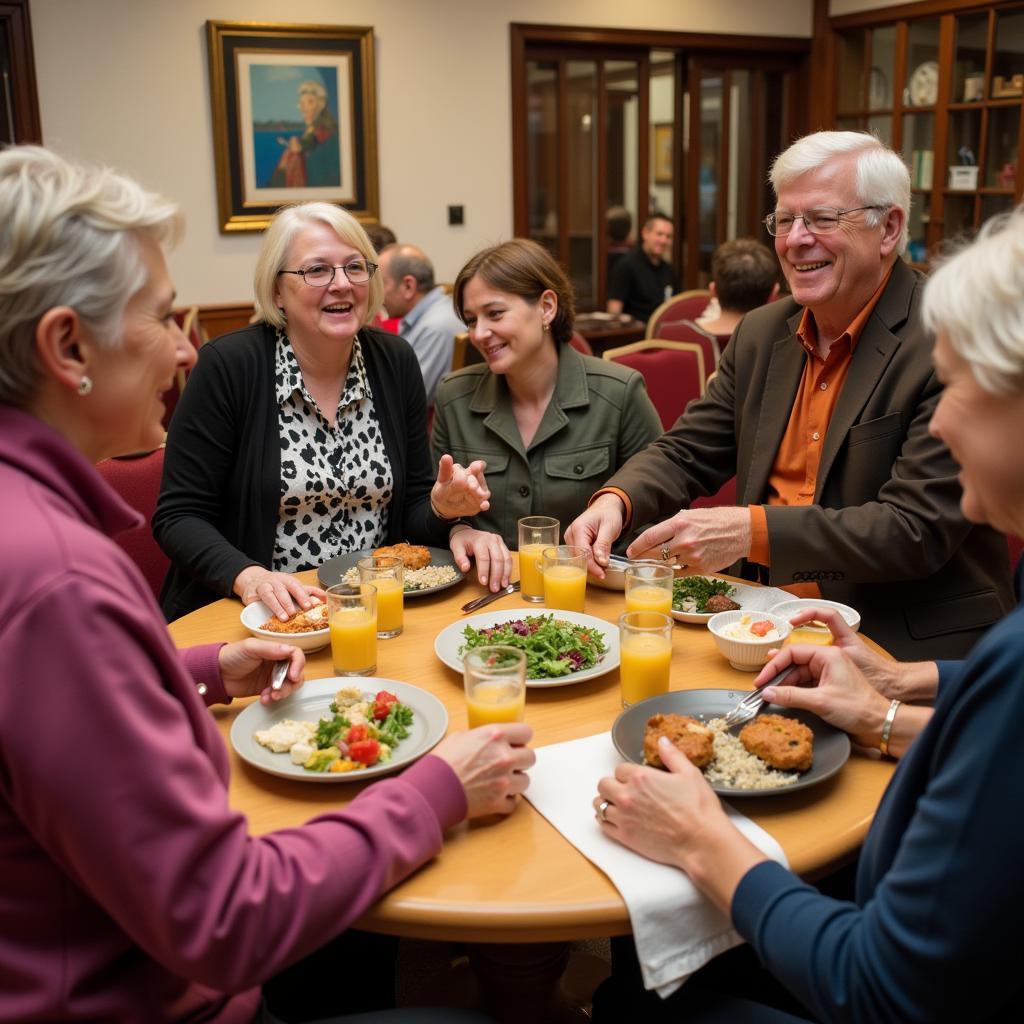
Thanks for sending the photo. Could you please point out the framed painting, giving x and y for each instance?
(294, 118)
(662, 157)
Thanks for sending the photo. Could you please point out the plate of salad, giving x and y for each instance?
(561, 647)
(342, 729)
(691, 594)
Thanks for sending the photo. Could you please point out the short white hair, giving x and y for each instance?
(69, 236)
(277, 241)
(882, 176)
(976, 298)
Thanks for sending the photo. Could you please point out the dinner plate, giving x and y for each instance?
(450, 639)
(332, 571)
(312, 702)
(742, 594)
(831, 745)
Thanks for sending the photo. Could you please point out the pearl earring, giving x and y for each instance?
(85, 385)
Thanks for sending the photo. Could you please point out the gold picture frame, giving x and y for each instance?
(661, 159)
(294, 118)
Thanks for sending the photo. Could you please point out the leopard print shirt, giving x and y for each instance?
(336, 481)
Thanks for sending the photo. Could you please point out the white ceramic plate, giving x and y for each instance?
(331, 572)
(741, 595)
(450, 639)
(255, 614)
(312, 702)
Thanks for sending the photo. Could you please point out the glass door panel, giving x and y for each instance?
(969, 59)
(1002, 151)
(1008, 59)
(711, 172)
(581, 129)
(881, 74)
(542, 152)
(921, 88)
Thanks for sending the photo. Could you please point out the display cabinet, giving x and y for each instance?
(943, 84)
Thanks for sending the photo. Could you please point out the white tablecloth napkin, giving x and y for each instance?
(676, 929)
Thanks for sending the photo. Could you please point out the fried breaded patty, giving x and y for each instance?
(301, 622)
(780, 742)
(693, 738)
(414, 556)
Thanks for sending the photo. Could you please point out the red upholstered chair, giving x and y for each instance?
(682, 330)
(581, 344)
(673, 370)
(685, 306)
(137, 479)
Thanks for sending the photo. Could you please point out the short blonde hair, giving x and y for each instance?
(278, 239)
(976, 298)
(69, 236)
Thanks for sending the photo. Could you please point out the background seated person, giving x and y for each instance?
(643, 279)
(132, 891)
(547, 421)
(427, 320)
(305, 435)
(744, 275)
(619, 229)
(820, 407)
(939, 894)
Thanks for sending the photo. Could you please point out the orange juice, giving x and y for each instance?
(491, 702)
(531, 577)
(649, 599)
(354, 641)
(389, 605)
(808, 634)
(565, 586)
(644, 666)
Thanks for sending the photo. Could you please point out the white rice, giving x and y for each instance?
(735, 768)
(415, 579)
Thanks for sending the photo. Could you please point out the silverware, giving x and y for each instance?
(488, 598)
(751, 704)
(277, 677)
(621, 563)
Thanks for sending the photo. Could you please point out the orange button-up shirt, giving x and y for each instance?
(794, 475)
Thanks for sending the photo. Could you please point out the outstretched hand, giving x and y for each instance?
(460, 491)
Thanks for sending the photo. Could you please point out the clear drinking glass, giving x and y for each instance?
(649, 588)
(352, 611)
(535, 534)
(495, 681)
(645, 655)
(565, 577)
(386, 573)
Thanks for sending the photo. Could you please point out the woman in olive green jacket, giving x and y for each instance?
(550, 423)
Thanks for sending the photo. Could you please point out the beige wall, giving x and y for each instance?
(125, 81)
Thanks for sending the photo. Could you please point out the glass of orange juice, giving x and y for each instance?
(495, 681)
(645, 655)
(812, 632)
(649, 588)
(386, 573)
(535, 534)
(352, 612)
(565, 577)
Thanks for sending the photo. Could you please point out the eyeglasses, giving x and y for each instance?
(821, 220)
(320, 275)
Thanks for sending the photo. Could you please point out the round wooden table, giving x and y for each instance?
(516, 879)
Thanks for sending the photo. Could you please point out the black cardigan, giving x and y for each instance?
(220, 494)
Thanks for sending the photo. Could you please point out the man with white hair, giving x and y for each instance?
(821, 408)
(429, 322)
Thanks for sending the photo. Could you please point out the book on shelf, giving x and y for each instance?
(922, 167)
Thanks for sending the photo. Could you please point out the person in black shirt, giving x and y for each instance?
(644, 279)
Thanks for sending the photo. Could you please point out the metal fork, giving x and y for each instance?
(750, 705)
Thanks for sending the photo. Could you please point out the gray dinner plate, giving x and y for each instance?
(831, 745)
(331, 572)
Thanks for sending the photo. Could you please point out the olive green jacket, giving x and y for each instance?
(597, 418)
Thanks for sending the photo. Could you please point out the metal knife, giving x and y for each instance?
(488, 598)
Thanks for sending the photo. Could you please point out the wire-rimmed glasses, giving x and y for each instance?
(819, 221)
(320, 275)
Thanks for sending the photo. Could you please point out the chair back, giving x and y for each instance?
(459, 350)
(686, 330)
(673, 371)
(686, 305)
(188, 321)
(581, 344)
(137, 479)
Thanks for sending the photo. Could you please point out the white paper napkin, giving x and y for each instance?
(676, 929)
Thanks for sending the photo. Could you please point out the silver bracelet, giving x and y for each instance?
(890, 717)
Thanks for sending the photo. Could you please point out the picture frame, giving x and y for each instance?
(661, 159)
(294, 118)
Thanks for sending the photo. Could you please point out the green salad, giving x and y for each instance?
(692, 593)
(554, 647)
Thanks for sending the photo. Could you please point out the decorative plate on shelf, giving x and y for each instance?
(924, 84)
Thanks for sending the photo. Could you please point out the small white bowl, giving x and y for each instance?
(747, 655)
(255, 614)
(788, 609)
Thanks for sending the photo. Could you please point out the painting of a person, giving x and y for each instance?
(310, 159)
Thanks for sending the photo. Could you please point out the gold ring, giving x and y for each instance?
(666, 552)
(602, 808)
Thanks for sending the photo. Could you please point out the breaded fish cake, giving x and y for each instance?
(693, 738)
(413, 556)
(780, 742)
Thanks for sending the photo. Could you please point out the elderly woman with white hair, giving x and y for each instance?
(132, 891)
(933, 932)
(305, 435)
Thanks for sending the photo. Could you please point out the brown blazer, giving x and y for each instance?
(885, 533)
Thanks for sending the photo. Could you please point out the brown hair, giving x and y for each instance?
(744, 272)
(524, 268)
